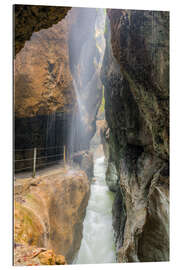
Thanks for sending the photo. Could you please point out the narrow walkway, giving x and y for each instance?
(41, 172)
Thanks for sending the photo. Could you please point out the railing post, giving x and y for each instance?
(64, 155)
(34, 163)
(67, 155)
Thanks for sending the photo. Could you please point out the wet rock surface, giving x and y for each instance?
(45, 99)
(49, 211)
(48, 133)
(84, 159)
(112, 177)
(135, 74)
(44, 92)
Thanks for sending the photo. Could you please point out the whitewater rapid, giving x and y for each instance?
(97, 245)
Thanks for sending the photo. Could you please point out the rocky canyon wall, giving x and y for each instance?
(49, 211)
(43, 81)
(43, 91)
(135, 74)
(45, 71)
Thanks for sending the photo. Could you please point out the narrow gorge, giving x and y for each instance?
(91, 135)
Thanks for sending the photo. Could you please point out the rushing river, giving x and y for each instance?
(97, 245)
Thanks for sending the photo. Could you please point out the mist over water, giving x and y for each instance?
(85, 66)
(97, 245)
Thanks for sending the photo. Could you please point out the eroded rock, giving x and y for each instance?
(135, 74)
(50, 214)
(43, 81)
(25, 255)
(112, 177)
(84, 159)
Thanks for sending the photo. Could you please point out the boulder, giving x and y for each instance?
(25, 255)
(50, 214)
(84, 159)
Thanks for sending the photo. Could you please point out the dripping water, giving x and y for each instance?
(50, 130)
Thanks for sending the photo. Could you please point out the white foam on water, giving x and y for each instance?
(97, 245)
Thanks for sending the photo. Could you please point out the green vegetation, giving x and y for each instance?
(27, 226)
(102, 102)
(105, 29)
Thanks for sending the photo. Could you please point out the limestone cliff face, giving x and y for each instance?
(29, 19)
(49, 211)
(135, 74)
(43, 81)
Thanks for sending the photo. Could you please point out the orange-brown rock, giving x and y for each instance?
(47, 257)
(60, 260)
(43, 82)
(50, 214)
(26, 255)
(27, 228)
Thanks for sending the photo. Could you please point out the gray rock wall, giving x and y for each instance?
(135, 75)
